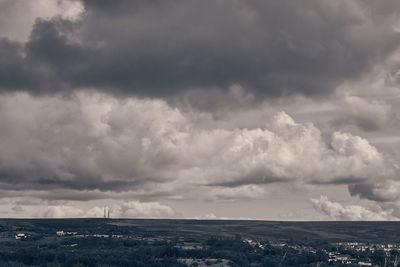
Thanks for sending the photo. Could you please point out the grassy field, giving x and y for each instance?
(271, 230)
(145, 242)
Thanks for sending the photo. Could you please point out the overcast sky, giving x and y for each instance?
(225, 109)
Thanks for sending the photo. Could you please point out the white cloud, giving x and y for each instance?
(121, 209)
(61, 211)
(95, 212)
(360, 113)
(367, 113)
(337, 211)
(208, 216)
(136, 209)
(132, 209)
(238, 192)
(212, 216)
(94, 141)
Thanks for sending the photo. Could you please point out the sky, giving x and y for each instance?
(226, 109)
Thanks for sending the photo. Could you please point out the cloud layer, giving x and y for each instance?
(269, 48)
(337, 211)
(151, 103)
(95, 142)
(128, 209)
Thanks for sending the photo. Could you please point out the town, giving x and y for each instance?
(117, 242)
(336, 254)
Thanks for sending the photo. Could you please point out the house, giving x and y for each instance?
(20, 236)
(363, 263)
(60, 233)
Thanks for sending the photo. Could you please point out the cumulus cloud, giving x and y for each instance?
(337, 211)
(369, 115)
(136, 209)
(61, 211)
(212, 216)
(187, 105)
(168, 47)
(91, 141)
(232, 193)
(382, 191)
(125, 209)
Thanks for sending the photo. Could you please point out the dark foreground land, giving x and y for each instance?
(118, 242)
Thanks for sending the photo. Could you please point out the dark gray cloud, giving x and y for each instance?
(14, 73)
(16, 181)
(339, 180)
(159, 48)
(253, 180)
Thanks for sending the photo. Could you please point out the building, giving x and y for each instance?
(20, 236)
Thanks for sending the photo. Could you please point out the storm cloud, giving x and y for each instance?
(161, 48)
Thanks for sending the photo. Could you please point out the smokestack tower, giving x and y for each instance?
(104, 210)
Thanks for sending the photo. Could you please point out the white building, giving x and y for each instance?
(20, 236)
(362, 263)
